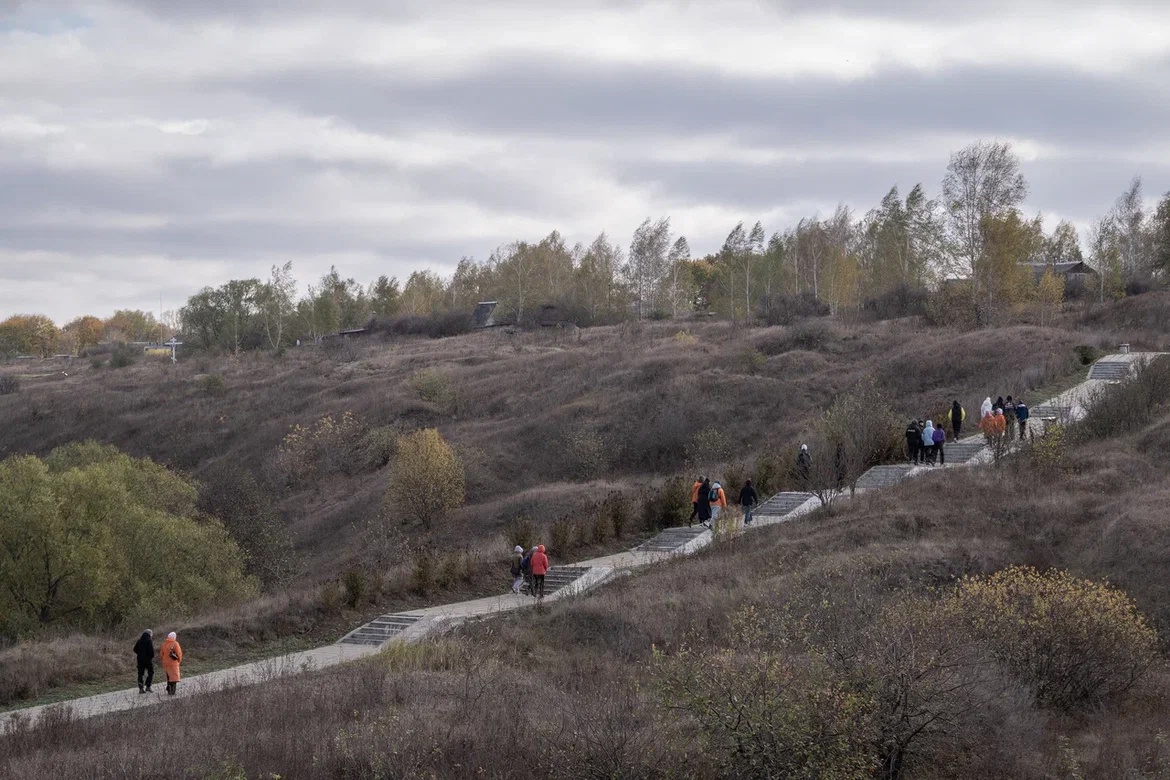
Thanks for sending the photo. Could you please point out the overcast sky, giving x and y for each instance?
(151, 147)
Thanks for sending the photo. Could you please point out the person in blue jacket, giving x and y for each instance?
(1022, 418)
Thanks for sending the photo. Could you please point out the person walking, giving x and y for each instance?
(987, 425)
(144, 651)
(748, 500)
(803, 465)
(526, 569)
(705, 503)
(913, 441)
(940, 443)
(985, 408)
(958, 414)
(539, 569)
(928, 443)
(171, 656)
(1022, 415)
(695, 488)
(1009, 413)
(718, 501)
(998, 403)
(517, 569)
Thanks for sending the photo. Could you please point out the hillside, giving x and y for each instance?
(654, 674)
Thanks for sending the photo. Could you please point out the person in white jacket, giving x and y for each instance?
(928, 450)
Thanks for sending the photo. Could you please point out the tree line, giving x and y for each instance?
(973, 243)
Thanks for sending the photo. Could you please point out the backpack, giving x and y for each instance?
(713, 496)
(526, 563)
(517, 566)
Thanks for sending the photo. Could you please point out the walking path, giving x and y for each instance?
(564, 581)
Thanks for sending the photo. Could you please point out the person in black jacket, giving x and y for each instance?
(748, 499)
(705, 503)
(914, 441)
(144, 650)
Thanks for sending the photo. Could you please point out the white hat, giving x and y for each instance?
(172, 635)
(518, 548)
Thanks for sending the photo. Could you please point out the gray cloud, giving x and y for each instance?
(108, 196)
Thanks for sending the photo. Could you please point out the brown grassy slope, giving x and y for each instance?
(645, 393)
(568, 691)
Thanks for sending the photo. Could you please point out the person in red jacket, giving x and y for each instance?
(539, 569)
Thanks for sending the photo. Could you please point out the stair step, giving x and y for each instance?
(380, 629)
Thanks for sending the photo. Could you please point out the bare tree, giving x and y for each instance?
(648, 261)
(276, 302)
(680, 255)
(983, 180)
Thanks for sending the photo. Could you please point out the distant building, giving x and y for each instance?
(1070, 271)
(484, 315)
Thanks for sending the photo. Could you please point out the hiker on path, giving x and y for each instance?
(705, 503)
(1009, 413)
(928, 451)
(998, 403)
(803, 465)
(987, 425)
(517, 569)
(144, 650)
(526, 569)
(718, 501)
(958, 414)
(1022, 415)
(913, 441)
(539, 569)
(695, 488)
(171, 655)
(985, 408)
(940, 441)
(748, 500)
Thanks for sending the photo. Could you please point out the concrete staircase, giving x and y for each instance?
(1110, 370)
(671, 539)
(380, 630)
(560, 577)
(885, 476)
(781, 504)
(963, 450)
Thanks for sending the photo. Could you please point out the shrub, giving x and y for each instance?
(424, 565)
(96, 363)
(811, 335)
(357, 587)
(728, 525)
(1049, 451)
(376, 447)
(9, 384)
(762, 712)
(562, 537)
(752, 361)
(439, 325)
(328, 446)
(772, 474)
(1128, 405)
(617, 511)
(668, 506)
(1073, 642)
(586, 452)
(900, 301)
(521, 532)
(1088, 354)
(602, 528)
(787, 309)
(122, 357)
(685, 338)
(710, 446)
(436, 387)
(426, 478)
(91, 536)
(213, 385)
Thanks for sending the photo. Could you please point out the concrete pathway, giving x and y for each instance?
(570, 580)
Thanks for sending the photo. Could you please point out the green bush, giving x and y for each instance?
(423, 570)
(668, 506)
(123, 357)
(617, 511)
(562, 536)
(1087, 354)
(92, 537)
(426, 479)
(1127, 406)
(213, 385)
(376, 446)
(521, 532)
(436, 387)
(357, 587)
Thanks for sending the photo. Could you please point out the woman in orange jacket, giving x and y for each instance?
(172, 656)
(718, 501)
(540, 567)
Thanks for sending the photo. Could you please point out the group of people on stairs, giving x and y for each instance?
(708, 499)
(170, 655)
(926, 440)
(528, 571)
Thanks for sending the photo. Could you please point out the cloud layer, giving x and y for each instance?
(149, 147)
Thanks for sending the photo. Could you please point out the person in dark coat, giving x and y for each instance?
(748, 500)
(803, 465)
(913, 441)
(705, 503)
(958, 414)
(144, 651)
